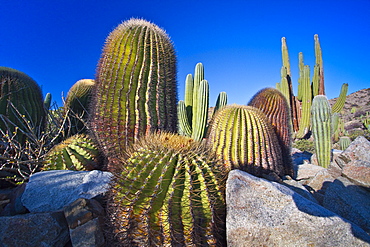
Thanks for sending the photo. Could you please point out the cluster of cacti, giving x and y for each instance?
(193, 110)
(76, 106)
(321, 129)
(300, 105)
(275, 106)
(366, 121)
(135, 90)
(21, 104)
(78, 152)
(243, 138)
(169, 191)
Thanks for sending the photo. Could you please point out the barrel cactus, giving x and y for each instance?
(136, 89)
(77, 104)
(21, 104)
(168, 191)
(243, 138)
(275, 106)
(78, 152)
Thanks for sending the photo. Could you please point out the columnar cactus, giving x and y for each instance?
(21, 103)
(321, 129)
(273, 103)
(339, 104)
(78, 152)
(243, 138)
(136, 89)
(221, 101)
(169, 191)
(76, 105)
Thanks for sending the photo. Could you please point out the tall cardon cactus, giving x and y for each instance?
(275, 106)
(21, 104)
(169, 191)
(243, 138)
(136, 89)
(193, 110)
(321, 129)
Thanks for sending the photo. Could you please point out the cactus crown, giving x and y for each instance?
(169, 192)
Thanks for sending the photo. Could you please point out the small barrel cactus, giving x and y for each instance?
(344, 142)
(136, 90)
(275, 106)
(243, 137)
(21, 103)
(169, 192)
(78, 152)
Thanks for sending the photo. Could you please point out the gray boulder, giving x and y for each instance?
(39, 229)
(349, 201)
(264, 213)
(52, 190)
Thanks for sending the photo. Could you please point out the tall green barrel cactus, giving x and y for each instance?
(321, 129)
(21, 103)
(275, 106)
(169, 191)
(136, 89)
(78, 152)
(243, 138)
(77, 104)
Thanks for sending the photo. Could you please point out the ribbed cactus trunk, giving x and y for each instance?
(136, 89)
(21, 103)
(243, 138)
(275, 106)
(321, 129)
(339, 104)
(168, 192)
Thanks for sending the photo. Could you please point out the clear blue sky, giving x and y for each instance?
(238, 42)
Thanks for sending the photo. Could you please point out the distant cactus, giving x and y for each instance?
(344, 142)
(47, 101)
(169, 191)
(136, 89)
(221, 101)
(20, 100)
(339, 104)
(77, 105)
(321, 129)
(78, 152)
(243, 138)
(273, 103)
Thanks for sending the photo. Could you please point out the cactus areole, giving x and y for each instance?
(136, 89)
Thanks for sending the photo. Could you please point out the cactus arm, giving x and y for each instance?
(321, 129)
(304, 125)
(47, 101)
(221, 101)
(189, 89)
(339, 104)
(201, 115)
(184, 125)
(320, 64)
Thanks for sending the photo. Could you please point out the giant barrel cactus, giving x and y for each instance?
(275, 106)
(244, 139)
(169, 192)
(136, 89)
(21, 104)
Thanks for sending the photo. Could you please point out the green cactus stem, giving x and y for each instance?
(21, 104)
(221, 101)
(344, 142)
(78, 152)
(47, 101)
(136, 91)
(321, 129)
(339, 104)
(319, 66)
(243, 138)
(273, 103)
(169, 191)
(304, 123)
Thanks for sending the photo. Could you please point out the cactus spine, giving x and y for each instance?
(273, 103)
(21, 103)
(321, 129)
(78, 152)
(169, 192)
(243, 138)
(136, 89)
